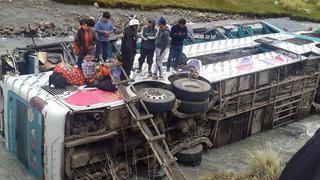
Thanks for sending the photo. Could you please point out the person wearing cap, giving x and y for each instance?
(104, 29)
(85, 41)
(129, 46)
(178, 33)
(131, 16)
(149, 34)
(162, 43)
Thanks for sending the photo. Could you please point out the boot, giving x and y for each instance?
(149, 69)
(140, 68)
(154, 76)
(168, 68)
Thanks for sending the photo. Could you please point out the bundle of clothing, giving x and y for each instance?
(92, 75)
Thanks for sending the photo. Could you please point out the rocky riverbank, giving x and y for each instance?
(48, 18)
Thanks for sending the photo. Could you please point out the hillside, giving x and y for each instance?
(299, 9)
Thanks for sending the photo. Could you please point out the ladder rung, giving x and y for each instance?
(132, 99)
(155, 138)
(141, 118)
(278, 119)
(124, 81)
(174, 159)
(284, 110)
(292, 102)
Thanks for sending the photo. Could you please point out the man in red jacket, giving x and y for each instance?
(85, 40)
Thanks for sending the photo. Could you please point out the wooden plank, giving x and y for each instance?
(238, 129)
(90, 139)
(256, 121)
(224, 134)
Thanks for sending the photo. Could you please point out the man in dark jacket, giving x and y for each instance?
(128, 46)
(178, 33)
(85, 40)
(162, 44)
(149, 34)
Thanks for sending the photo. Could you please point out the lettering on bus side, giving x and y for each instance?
(45, 158)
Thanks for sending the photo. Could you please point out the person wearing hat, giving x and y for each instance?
(129, 46)
(178, 33)
(149, 34)
(131, 16)
(104, 29)
(162, 43)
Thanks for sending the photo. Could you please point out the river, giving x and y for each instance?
(287, 139)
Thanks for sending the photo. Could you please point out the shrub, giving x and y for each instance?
(265, 164)
(295, 5)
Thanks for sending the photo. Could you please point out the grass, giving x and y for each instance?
(265, 163)
(292, 8)
(292, 5)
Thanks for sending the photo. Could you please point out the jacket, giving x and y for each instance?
(129, 42)
(177, 40)
(162, 41)
(102, 26)
(81, 43)
(149, 36)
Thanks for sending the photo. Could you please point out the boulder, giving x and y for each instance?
(96, 5)
(19, 30)
(307, 10)
(49, 25)
(9, 28)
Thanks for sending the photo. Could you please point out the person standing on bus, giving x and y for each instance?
(129, 46)
(178, 33)
(104, 29)
(149, 34)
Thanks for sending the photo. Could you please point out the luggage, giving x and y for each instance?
(103, 71)
(73, 75)
(57, 80)
(89, 69)
(105, 83)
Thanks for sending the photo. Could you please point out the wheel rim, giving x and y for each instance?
(154, 94)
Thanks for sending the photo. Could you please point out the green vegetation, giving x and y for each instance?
(265, 163)
(301, 9)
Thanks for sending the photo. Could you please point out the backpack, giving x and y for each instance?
(57, 80)
(73, 75)
(105, 83)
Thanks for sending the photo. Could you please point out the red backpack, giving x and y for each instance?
(73, 75)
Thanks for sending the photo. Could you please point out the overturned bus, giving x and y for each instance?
(244, 86)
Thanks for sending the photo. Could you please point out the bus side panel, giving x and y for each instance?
(25, 133)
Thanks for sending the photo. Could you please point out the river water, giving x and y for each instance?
(288, 139)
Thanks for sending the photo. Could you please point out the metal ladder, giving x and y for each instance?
(282, 108)
(148, 128)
